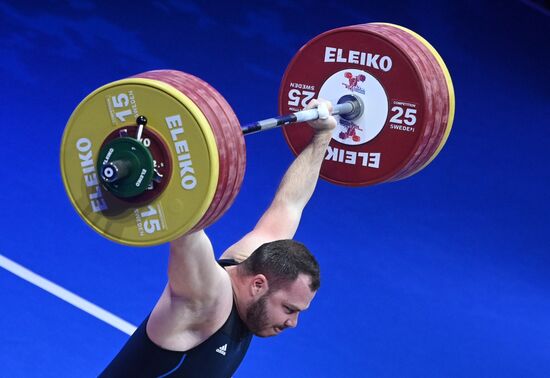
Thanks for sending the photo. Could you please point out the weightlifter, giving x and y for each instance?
(208, 312)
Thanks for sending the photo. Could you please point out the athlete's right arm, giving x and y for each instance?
(197, 298)
(193, 273)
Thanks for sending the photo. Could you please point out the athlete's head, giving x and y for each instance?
(284, 279)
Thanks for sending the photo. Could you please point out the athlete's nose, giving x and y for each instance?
(292, 322)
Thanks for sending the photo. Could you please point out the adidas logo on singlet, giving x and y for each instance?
(222, 350)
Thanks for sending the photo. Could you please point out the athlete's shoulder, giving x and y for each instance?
(180, 324)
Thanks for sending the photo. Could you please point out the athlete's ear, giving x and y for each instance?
(259, 285)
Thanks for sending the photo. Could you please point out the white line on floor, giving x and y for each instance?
(67, 296)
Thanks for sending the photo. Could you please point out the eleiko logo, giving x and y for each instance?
(350, 131)
(353, 82)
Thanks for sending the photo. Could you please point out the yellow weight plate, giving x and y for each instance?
(192, 147)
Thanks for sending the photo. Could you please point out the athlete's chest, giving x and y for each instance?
(218, 356)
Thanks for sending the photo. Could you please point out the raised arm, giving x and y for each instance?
(193, 273)
(281, 219)
(197, 298)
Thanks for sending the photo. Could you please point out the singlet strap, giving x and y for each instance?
(227, 262)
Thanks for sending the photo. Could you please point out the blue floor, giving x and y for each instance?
(445, 274)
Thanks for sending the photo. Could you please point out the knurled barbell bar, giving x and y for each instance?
(149, 158)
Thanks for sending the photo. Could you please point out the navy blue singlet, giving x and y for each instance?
(219, 356)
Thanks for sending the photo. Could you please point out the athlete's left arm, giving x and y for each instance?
(282, 218)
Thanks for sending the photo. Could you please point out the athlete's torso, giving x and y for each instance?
(218, 356)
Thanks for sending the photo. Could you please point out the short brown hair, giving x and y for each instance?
(281, 261)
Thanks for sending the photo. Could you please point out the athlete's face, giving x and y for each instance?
(275, 311)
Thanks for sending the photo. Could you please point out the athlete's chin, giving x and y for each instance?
(264, 334)
(268, 332)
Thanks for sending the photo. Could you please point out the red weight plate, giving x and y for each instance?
(442, 114)
(437, 90)
(408, 43)
(228, 135)
(239, 164)
(440, 96)
(206, 100)
(368, 64)
(236, 158)
(187, 84)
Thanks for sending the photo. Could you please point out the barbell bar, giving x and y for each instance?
(349, 108)
(115, 170)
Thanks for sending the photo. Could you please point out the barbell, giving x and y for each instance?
(152, 157)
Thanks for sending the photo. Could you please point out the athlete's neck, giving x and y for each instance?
(238, 285)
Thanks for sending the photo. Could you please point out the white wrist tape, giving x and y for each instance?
(323, 111)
